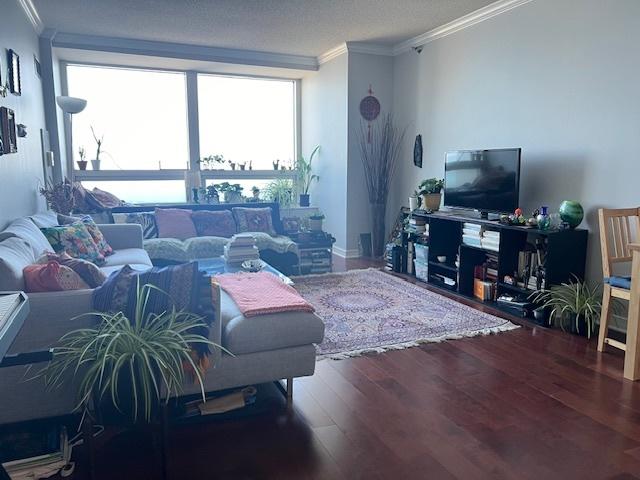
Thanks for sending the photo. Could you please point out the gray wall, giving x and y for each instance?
(364, 70)
(21, 174)
(324, 123)
(559, 78)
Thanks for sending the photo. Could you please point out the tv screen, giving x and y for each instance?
(484, 180)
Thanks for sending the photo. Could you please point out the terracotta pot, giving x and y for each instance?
(431, 201)
(82, 164)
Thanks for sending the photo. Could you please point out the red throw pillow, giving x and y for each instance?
(51, 277)
(175, 223)
(214, 224)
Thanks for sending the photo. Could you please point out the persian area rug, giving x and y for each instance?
(369, 311)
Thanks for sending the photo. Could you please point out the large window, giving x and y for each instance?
(143, 119)
(247, 120)
(140, 114)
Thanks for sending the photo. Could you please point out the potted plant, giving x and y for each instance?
(574, 306)
(276, 165)
(211, 194)
(414, 200)
(306, 177)
(242, 165)
(82, 163)
(255, 191)
(95, 163)
(280, 191)
(59, 196)
(128, 365)
(232, 164)
(430, 190)
(232, 192)
(212, 161)
(315, 222)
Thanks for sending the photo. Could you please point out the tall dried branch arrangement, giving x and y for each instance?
(380, 150)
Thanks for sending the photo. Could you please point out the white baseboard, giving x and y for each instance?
(341, 252)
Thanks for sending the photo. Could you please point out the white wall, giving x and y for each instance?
(21, 174)
(364, 70)
(324, 123)
(558, 78)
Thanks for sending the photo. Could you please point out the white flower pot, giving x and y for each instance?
(95, 164)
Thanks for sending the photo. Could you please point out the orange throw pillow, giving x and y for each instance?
(51, 277)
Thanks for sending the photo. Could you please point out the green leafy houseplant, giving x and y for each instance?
(430, 190)
(232, 191)
(280, 191)
(212, 161)
(572, 305)
(306, 176)
(129, 362)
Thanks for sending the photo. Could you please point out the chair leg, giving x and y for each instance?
(605, 315)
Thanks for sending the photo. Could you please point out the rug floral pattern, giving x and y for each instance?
(372, 311)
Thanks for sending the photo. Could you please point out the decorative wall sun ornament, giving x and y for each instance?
(369, 110)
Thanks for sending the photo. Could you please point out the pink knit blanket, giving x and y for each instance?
(261, 293)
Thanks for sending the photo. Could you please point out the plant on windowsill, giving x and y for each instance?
(95, 163)
(306, 176)
(130, 366)
(232, 192)
(82, 163)
(315, 222)
(276, 165)
(211, 162)
(280, 191)
(430, 190)
(575, 306)
(255, 195)
(232, 164)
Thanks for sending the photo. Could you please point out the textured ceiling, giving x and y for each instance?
(303, 27)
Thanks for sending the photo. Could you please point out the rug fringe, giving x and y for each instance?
(401, 346)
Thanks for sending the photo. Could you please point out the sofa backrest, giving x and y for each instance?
(275, 209)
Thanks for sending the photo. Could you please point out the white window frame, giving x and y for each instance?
(193, 127)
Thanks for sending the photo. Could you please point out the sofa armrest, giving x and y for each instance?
(122, 235)
(51, 315)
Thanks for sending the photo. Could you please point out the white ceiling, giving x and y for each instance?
(300, 27)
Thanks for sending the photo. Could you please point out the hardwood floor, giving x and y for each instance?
(531, 403)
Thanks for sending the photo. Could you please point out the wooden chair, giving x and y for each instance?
(618, 229)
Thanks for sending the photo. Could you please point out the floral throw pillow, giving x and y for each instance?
(214, 224)
(254, 220)
(104, 248)
(76, 240)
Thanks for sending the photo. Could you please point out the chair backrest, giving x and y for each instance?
(618, 228)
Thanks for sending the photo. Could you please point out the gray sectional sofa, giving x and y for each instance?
(266, 348)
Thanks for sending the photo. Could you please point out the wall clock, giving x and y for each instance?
(13, 59)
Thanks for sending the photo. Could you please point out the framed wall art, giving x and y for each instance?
(8, 140)
(13, 60)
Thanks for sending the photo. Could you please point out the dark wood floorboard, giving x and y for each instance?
(532, 403)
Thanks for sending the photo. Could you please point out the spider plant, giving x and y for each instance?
(132, 363)
(574, 301)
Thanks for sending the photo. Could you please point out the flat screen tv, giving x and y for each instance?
(483, 180)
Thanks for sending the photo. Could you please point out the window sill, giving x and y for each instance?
(124, 175)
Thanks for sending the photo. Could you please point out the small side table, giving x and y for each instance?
(315, 252)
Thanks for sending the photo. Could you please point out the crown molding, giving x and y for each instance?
(461, 23)
(32, 15)
(183, 51)
(332, 53)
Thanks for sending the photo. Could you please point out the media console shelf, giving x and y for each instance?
(560, 254)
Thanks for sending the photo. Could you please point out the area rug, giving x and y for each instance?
(372, 311)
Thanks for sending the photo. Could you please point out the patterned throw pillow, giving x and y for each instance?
(94, 231)
(254, 220)
(89, 272)
(214, 224)
(175, 223)
(146, 219)
(76, 240)
(51, 277)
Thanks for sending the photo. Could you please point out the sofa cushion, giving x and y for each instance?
(45, 219)
(214, 224)
(128, 256)
(89, 272)
(76, 240)
(205, 247)
(146, 219)
(277, 243)
(15, 255)
(28, 231)
(241, 335)
(175, 223)
(104, 248)
(166, 249)
(254, 219)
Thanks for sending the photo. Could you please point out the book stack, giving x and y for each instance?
(472, 234)
(240, 248)
(417, 226)
(490, 240)
(491, 267)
